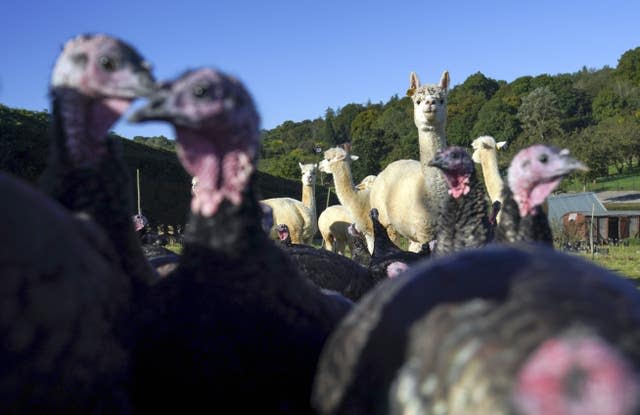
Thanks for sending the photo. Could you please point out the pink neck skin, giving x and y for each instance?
(223, 170)
(86, 122)
(606, 384)
(528, 198)
(458, 184)
(396, 268)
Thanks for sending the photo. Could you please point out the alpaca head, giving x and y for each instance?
(536, 171)
(429, 102)
(366, 183)
(333, 157)
(483, 145)
(309, 172)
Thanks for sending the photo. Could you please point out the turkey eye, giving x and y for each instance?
(543, 158)
(200, 91)
(441, 101)
(108, 63)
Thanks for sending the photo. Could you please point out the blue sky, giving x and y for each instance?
(299, 57)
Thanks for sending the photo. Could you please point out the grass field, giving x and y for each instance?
(629, 181)
(624, 260)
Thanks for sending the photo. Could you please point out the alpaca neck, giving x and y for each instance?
(430, 141)
(345, 190)
(491, 174)
(309, 198)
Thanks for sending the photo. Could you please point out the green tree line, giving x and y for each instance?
(593, 112)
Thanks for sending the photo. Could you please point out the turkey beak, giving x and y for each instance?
(439, 162)
(570, 164)
(155, 110)
(146, 84)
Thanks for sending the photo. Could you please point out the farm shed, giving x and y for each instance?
(561, 204)
(613, 224)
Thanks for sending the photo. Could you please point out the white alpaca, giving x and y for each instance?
(407, 193)
(334, 221)
(337, 161)
(485, 153)
(299, 216)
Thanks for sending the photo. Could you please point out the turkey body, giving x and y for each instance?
(63, 306)
(380, 358)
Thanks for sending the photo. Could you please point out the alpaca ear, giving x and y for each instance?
(444, 80)
(501, 144)
(414, 83)
(354, 158)
(301, 166)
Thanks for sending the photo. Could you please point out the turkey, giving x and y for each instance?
(462, 220)
(61, 348)
(327, 269)
(385, 251)
(358, 243)
(94, 81)
(541, 333)
(234, 326)
(65, 307)
(533, 174)
(161, 259)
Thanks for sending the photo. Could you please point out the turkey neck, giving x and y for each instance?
(235, 231)
(95, 187)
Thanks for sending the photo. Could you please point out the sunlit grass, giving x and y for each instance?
(625, 260)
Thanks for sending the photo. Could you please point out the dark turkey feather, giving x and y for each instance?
(438, 339)
(235, 326)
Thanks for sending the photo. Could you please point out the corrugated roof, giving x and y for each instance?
(573, 202)
(611, 213)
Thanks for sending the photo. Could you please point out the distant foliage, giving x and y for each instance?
(165, 186)
(157, 142)
(593, 112)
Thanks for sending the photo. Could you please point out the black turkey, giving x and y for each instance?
(234, 326)
(163, 260)
(462, 220)
(533, 174)
(327, 269)
(65, 293)
(63, 300)
(386, 252)
(488, 331)
(358, 246)
(94, 81)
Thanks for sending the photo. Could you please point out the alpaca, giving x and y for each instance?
(407, 193)
(334, 221)
(485, 153)
(337, 162)
(300, 216)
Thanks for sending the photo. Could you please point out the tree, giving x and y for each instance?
(540, 115)
(629, 66)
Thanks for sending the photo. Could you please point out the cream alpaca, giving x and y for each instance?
(337, 161)
(299, 216)
(407, 193)
(334, 221)
(485, 153)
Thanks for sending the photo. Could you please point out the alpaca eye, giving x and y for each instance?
(200, 91)
(418, 102)
(108, 63)
(543, 158)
